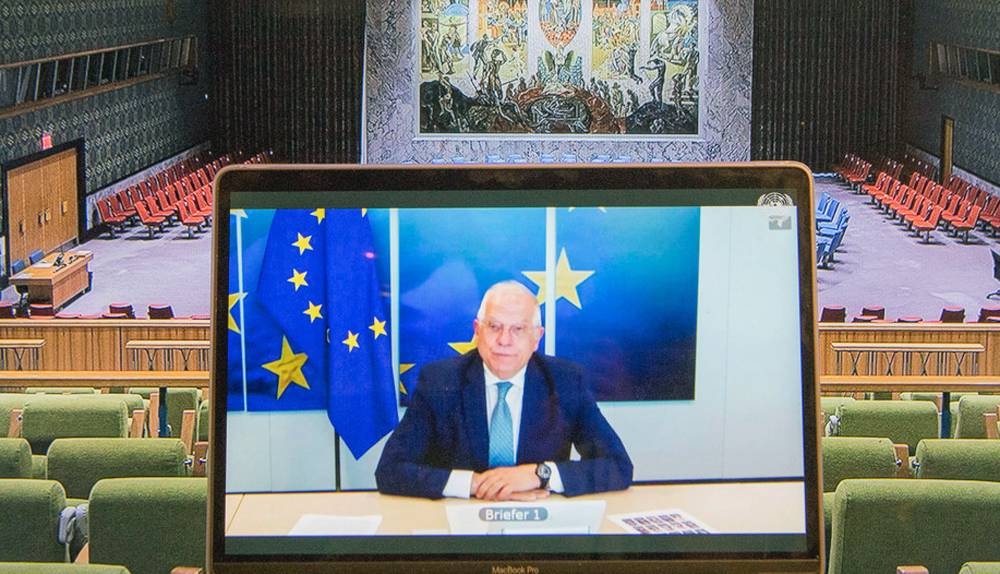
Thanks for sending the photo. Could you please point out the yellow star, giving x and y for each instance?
(288, 367)
(313, 311)
(303, 243)
(463, 347)
(351, 341)
(239, 213)
(234, 298)
(567, 280)
(364, 211)
(298, 279)
(319, 214)
(403, 367)
(377, 327)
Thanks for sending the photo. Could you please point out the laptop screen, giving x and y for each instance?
(516, 367)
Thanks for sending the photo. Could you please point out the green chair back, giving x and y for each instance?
(971, 409)
(958, 459)
(43, 568)
(856, 457)
(61, 391)
(8, 402)
(881, 523)
(30, 509)
(203, 420)
(178, 401)
(15, 458)
(132, 520)
(902, 422)
(47, 418)
(78, 463)
(980, 568)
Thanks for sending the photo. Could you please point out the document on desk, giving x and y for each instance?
(334, 525)
(671, 521)
(553, 517)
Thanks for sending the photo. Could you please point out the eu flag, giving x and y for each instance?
(319, 288)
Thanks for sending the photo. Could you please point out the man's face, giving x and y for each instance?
(506, 336)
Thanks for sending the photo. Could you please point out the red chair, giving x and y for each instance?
(108, 217)
(926, 225)
(190, 220)
(953, 315)
(968, 224)
(41, 311)
(876, 311)
(64, 315)
(837, 314)
(122, 308)
(157, 311)
(985, 313)
(152, 222)
(909, 319)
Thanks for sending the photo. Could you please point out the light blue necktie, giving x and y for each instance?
(501, 430)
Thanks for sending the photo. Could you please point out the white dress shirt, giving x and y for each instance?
(459, 482)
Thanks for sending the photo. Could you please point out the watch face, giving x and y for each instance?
(543, 471)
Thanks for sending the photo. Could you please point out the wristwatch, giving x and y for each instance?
(543, 472)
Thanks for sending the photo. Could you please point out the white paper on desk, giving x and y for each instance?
(333, 525)
(671, 521)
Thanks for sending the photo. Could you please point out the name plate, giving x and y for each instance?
(508, 514)
(550, 517)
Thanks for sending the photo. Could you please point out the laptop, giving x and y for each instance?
(677, 301)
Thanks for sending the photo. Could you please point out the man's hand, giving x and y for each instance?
(508, 483)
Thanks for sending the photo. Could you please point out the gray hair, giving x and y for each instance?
(510, 285)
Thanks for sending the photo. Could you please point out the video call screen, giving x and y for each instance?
(681, 311)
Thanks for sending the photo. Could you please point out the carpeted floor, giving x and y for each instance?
(170, 269)
(879, 263)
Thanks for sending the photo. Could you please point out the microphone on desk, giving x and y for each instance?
(59, 260)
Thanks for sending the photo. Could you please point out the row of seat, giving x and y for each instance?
(923, 205)
(832, 219)
(11, 310)
(876, 313)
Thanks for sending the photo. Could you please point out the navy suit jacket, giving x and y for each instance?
(445, 428)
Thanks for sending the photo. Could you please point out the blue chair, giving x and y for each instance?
(36, 256)
(494, 158)
(568, 158)
(17, 266)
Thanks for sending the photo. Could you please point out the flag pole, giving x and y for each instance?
(336, 460)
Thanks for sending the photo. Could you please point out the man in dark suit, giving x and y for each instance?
(498, 424)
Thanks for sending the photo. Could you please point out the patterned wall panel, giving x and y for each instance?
(391, 107)
(976, 110)
(125, 129)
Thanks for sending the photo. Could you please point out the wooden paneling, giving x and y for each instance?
(97, 345)
(42, 204)
(984, 334)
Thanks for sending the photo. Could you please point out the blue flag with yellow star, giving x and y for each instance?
(327, 339)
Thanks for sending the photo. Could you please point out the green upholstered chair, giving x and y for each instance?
(61, 391)
(178, 400)
(15, 458)
(47, 418)
(30, 518)
(828, 406)
(131, 519)
(8, 402)
(204, 411)
(902, 422)
(936, 399)
(857, 457)
(971, 409)
(78, 463)
(980, 568)
(879, 524)
(958, 459)
(43, 568)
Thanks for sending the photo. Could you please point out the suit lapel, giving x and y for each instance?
(474, 412)
(534, 414)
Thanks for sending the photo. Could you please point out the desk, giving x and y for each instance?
(47, 283)
(746, 508)
(20, 347)
(882, 357)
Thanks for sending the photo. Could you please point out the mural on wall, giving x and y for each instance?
(597, 67)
